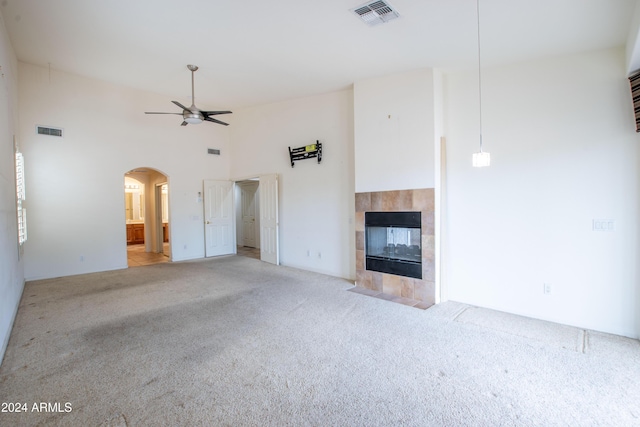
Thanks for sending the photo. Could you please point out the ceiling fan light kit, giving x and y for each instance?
(193, 115)
(192, 119)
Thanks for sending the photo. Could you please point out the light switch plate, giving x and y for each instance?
(603, 225)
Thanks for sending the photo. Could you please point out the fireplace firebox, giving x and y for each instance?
(393, 243)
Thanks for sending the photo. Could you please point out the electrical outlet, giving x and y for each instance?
(81, 258)
(547, 289)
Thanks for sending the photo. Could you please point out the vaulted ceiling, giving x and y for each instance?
(253, 52)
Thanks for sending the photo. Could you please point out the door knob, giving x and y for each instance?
(208, 222)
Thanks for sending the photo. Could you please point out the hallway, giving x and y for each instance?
(248, 252)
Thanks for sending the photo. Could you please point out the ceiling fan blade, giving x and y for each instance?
(193, 114)
(209, 119)
(214, 113)
(180, 105)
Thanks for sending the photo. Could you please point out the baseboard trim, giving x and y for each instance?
(5, 341)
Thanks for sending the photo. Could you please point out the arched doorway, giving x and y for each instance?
(146, 192)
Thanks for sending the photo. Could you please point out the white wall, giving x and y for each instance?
(637, 269)
(394, 123)
(316, 200)
(632, 50)
(75, 184)
(11, 265)
(564, 152)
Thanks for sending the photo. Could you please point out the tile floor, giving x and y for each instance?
(136, 255)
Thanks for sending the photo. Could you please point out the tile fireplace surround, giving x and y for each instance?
(418, 200)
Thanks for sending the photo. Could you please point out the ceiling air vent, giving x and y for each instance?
(376, 12)
(213, 151)
(44, 130)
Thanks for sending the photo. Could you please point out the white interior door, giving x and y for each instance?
(248, 209)
(269, 245)
(218, 212)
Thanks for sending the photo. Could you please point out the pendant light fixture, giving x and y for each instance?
(481, 158)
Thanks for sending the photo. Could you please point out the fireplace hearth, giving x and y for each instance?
(393, 243)
(382, 247)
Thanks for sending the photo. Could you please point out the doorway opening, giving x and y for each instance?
(248, 217)
(146, 192)
(220, 217)
(221, 222)
(257, 198)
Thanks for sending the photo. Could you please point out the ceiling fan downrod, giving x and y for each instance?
(193, 69)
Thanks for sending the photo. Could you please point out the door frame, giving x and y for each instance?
(242, 188)
(236, 182)
(159, 232)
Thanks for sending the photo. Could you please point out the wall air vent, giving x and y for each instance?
(47, 130)
(376, 12)
(213, 151)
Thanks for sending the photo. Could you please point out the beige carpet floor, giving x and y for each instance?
(235, 341)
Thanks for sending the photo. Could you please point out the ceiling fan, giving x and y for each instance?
(193, 115)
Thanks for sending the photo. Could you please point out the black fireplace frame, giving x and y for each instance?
(397, 267)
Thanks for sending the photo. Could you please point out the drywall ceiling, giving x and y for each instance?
(253, 52)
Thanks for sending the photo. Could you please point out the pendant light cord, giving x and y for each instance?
(479, 72)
